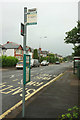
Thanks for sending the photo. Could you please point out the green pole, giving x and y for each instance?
(24, 62)
(29, 68)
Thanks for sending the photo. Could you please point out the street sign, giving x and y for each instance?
(32, 16)
(22, 29)
(77, 58)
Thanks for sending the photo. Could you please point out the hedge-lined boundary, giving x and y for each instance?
(8, 61)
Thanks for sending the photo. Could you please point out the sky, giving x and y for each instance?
(54, 19)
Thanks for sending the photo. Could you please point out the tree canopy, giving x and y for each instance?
(73, 37)
(35, 54)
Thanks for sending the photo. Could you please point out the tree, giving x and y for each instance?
(76, 51)
(73, 37)
(51, 58)
(35, 54)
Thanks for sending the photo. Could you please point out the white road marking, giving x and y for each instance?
(12, 76)
(22, 82)
(54, 75)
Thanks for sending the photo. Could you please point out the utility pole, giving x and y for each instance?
(24, 60)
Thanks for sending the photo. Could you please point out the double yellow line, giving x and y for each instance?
(19, 103)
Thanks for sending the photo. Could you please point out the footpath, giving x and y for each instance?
(54, 99)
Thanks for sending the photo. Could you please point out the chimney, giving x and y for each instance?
(7, 42)
(39, 49)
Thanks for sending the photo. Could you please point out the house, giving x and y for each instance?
(58, 56)
(29, 51)
(2, 50)
(42, 53)
(13, 49)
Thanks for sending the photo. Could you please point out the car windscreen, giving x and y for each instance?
(20, 63)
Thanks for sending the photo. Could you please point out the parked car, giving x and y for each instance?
(48, 63)
(35, 63)
(44, 63)
(19, 65)
(57, 62)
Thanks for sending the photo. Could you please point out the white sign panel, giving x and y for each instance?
(27, 74)
(32, 16)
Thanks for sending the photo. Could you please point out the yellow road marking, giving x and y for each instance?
(18, 91)
(2, 86)
(6, 88)
(19, 103)
(2, 83)
(15, 80)
(19, 83)
(10, 90)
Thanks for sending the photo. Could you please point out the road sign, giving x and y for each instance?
(32, 16)
(22, 29)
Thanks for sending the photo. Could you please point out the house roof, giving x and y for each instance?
(27, 48)
(44, 52)
(11, 45)
(1, 46)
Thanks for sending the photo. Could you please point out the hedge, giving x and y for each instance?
(8, 61)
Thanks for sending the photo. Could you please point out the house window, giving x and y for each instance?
(18, 51)
(19, 57)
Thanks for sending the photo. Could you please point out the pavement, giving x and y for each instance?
(53, 100)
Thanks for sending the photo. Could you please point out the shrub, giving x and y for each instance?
(73, 113)
(9, 61)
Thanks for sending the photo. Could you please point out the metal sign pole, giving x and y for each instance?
(24, 61)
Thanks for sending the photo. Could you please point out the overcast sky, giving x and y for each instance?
(54, 18)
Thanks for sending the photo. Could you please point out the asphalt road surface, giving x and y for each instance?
(11, 86)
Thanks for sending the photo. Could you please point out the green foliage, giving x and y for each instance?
(57, 59)
(50, 58)
(35, 54)
(68, 58)
(73, 113)
(44, 58)
(73, 37)
(9, 61)
(76, 51)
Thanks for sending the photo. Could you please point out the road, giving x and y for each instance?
(11, 86)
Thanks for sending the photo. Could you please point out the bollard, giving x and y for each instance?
(78, 71)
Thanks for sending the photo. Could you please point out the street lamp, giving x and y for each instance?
(40, 44)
